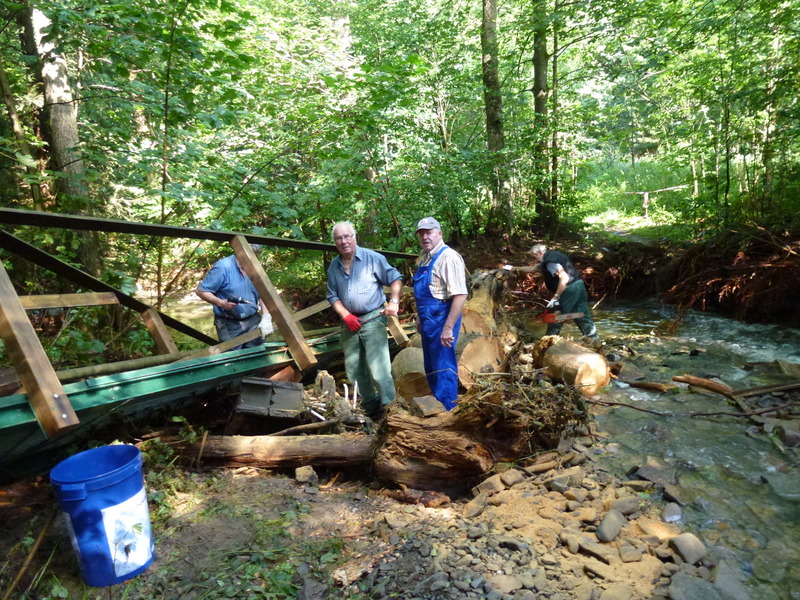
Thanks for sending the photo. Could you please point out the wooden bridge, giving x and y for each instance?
(45, 404)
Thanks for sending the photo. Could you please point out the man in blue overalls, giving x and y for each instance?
(440, 289)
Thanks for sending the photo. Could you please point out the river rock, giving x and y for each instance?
(689, 547)
(728, 578)
(611, 525)
(672, 513)
(663, 531)
(617, 591)
(657, 471)
(505, 584)
(686, 587)
(475, 506)
(306, 474)
(785, 485)
(627, 504)
(512, 477)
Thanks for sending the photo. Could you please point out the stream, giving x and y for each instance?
(739, 486)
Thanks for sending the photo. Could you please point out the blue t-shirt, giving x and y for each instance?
(362, 290)
(226, 280)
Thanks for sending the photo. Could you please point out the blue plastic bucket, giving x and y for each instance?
(101, 491)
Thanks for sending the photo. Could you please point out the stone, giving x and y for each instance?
(617, 591)
(524, 595)
(672, 513)
(678, 494)
(664, 531)
(505, 584)
(785, 485)
(627, 504)
(690, 548)
(512, 477)
(658, 473)
(728, 578)
(425, 406)
(576, 494)
(685, 587)
(492, 485)
(476, 506)
(311, 589)
(611, 525)
(605, 553)
(306, 474)
(639, 485)
(629, 553)
(595, 567)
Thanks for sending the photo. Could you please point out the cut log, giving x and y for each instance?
(481, 355)
(273, 452)
(576, 365)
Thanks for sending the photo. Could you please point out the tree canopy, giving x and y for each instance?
(283, 117)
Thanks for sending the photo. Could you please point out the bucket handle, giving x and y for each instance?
(72, 492)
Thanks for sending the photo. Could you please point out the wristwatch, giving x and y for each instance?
(394, 301)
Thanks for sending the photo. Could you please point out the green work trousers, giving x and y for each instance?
(367, 363)
(575, 299)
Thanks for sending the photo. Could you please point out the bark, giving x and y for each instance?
(276, 452)
(60, 129)
(544, 207)
(493, 104)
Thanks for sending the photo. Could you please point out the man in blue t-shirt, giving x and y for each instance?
(235, 299)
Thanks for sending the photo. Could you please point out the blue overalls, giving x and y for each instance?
(441, 367)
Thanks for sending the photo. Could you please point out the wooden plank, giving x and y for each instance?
(311, 310)
(59, 267)
(12, 216)
(47, 397)
(45, 301)
(164, 342)
(397, 331)
(224, 346)
(281, 315)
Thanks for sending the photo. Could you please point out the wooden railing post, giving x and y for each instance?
(281, 315)
(47, 397)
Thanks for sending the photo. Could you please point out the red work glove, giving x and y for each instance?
(353, 322)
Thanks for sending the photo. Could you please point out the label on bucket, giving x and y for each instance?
(128, 532)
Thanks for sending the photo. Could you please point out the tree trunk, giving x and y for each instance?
(493, 104)
(60, 129)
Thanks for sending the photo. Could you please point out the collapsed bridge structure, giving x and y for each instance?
(48, 409)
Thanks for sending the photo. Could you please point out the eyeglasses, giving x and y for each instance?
(341, 238)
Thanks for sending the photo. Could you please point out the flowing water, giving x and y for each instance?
(741, 487)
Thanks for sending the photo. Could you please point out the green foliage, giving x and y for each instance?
(284, 117)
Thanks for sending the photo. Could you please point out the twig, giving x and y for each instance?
(744, 414)
(31, 554)
(202, 447)
(305, 428)
(652, 412)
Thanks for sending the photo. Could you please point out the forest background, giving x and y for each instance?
(282, 117)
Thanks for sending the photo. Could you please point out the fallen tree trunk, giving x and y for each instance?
(274, 452)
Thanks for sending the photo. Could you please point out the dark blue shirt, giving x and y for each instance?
(226, 280)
